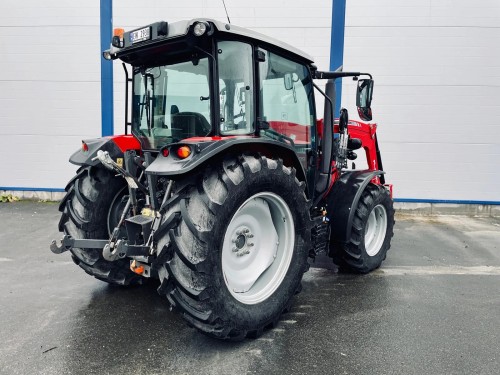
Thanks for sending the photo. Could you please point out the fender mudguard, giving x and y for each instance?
(343, 200)
(115, 146)
(205, 152)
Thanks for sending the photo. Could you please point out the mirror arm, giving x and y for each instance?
(335, 75)
(323, 179)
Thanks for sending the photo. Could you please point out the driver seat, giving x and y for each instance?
(189, 124)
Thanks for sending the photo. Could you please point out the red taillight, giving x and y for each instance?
(85, 147)
(183, 152)
(165, 152)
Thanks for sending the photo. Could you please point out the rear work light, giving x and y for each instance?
(183, 152)
(201, 28)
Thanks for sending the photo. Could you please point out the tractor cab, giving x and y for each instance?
(202, 80)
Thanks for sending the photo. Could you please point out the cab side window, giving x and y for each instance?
(236, 91)
(287, 102)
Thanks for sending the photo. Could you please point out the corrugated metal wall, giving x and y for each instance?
(49, 88)
(436, 64)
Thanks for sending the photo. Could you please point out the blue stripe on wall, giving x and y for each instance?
(15, 188)
(337, 46)
(106, 69)
(451, 201)
(402, 200)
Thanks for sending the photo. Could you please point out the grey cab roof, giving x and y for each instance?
(258, 36)
(180, 28)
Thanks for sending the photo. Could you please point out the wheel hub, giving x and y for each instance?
(240, 241)
(242, 245)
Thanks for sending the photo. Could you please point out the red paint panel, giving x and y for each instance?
(212, 139)
(299, 133)
(126, 142)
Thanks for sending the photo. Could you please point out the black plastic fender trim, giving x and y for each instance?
(343, 201)
(205, 151)
(81, 157)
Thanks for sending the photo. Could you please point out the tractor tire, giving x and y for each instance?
(91, 209)
(371, 233)
(240, 247)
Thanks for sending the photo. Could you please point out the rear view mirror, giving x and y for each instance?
(364, 98)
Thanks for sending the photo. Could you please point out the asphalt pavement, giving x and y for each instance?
(433, 308)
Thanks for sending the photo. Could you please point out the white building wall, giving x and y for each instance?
(49, 88)
(436, 65)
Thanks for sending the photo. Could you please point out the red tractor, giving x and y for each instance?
(227, 183)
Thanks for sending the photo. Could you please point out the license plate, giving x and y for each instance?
(140, 35)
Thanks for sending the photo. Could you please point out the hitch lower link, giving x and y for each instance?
(110, 251)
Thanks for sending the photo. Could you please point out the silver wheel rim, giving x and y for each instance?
(376, 226)
(258, 248)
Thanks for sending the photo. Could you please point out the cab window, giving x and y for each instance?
(236, 88)
(287, 103)
(171, 103)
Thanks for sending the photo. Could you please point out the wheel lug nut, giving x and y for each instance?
(250, 235)
(235, 249)
(250, 244)
(244, 252)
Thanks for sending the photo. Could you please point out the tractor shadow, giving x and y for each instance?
(132, 330)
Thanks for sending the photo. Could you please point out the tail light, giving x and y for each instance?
(183, 152)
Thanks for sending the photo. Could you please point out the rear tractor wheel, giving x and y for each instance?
(91, 209)
(241, 247)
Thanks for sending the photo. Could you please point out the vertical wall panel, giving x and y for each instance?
(436, 65)
(49, 88)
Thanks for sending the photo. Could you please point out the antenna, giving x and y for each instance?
(228, 20)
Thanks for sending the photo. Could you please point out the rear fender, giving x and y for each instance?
(206, 151)
(343, 200)
(115, 146)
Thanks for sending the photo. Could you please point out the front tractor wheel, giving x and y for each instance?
(371, 233)
(240, 248)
